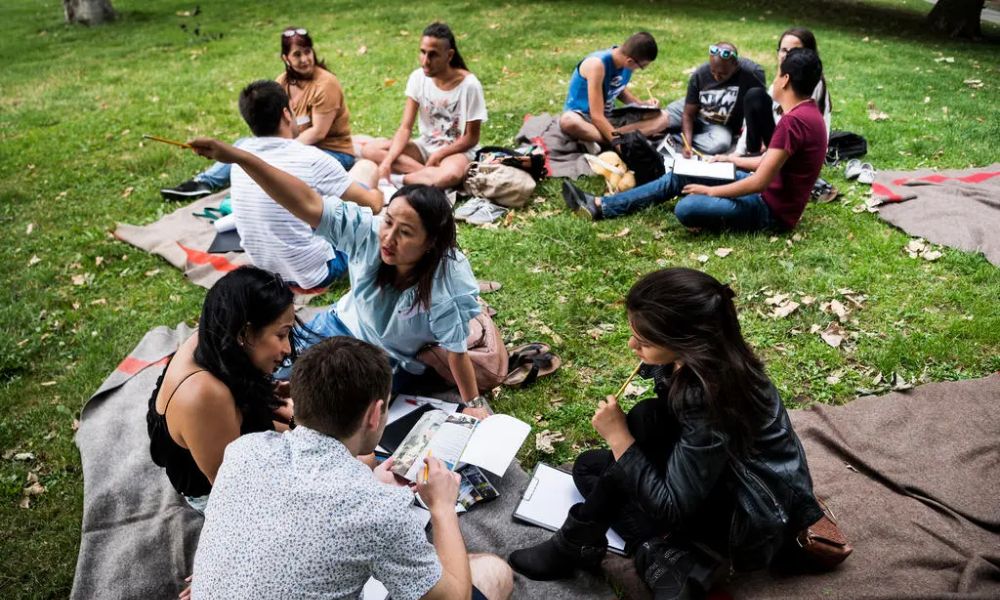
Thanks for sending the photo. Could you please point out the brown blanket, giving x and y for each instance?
(956, 208)
(914, 479)
(183, 240)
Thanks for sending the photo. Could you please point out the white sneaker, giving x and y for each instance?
(469, 208)
(487, 213)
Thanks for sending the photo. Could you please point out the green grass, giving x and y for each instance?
(75, 102)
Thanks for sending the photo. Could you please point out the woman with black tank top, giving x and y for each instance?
(218, 386)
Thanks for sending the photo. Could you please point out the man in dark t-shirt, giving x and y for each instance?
(770, 191)
(711, 114)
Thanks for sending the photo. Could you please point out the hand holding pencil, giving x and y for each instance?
(437, 486)
(609, 419)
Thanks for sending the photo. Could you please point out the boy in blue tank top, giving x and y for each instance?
(601, 78)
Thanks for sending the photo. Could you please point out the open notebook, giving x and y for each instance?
(547, 501)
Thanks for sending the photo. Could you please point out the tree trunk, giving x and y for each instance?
(88, 12)
(957, 18)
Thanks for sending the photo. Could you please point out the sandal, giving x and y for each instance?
(486, 287)
(823, 191)
(531, 369)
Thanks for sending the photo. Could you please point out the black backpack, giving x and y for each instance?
(532, 161)
(844, 145)
(640, 157)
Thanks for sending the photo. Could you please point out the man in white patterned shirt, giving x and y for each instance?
(273, 238)
(297, 515)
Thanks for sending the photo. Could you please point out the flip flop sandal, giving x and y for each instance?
(853, 168)
(528, 373)
(488, 310)
(526, 352)
(486, 287)
(867, 174)
(823, 191)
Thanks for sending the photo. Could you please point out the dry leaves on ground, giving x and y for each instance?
(545, 439)
(833, 335)
(875, 114)
(919, 248)
(723, 252)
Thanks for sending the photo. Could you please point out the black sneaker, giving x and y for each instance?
(675, 571)
(189, 190)
(580, 202)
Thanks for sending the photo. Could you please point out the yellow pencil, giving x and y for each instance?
(689, 146)
(628, 381)
(427, 467)
(146, 136)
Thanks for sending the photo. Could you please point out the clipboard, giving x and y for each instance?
(547, 500)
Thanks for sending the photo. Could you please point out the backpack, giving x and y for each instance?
(531, 161)
(640, 156)
(509, 187)
(844, 145)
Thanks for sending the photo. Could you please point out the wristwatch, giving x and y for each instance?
(479, 402)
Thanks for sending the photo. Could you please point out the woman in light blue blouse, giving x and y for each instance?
(410, 285)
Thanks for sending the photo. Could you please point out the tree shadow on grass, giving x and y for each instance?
(853, 16)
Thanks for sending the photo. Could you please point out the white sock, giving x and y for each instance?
(396, 179)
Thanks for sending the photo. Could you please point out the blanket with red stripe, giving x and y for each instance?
(959, 208)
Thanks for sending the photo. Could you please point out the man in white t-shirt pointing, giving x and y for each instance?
(273, 238)
(446, 101)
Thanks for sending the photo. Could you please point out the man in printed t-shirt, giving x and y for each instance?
(446, 102)
(711, 115)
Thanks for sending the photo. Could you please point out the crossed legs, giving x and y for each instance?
(449, 173)
(579, 128)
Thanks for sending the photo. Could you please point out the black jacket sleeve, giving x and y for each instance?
(693, 470)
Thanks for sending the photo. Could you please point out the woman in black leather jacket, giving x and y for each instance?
(709, 469)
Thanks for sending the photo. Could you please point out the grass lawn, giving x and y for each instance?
(74, 301)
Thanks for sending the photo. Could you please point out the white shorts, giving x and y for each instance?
(425, 149)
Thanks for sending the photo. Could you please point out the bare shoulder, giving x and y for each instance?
(591, 65)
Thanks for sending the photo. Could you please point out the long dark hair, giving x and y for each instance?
(302, 39)
(435, 214)
(809, 41)
(247, 299)
(442, 32)
(692, 314)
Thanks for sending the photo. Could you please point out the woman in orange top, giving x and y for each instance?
(317, 101)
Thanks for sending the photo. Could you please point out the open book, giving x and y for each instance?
(457, 439)
(694, 167)
(547, 501)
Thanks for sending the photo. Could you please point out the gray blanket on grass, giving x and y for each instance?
(957, 208)
(139, 535)
(912, 477)
(563, 155)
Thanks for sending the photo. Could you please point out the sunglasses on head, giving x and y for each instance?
(723, 53)
(291, 32)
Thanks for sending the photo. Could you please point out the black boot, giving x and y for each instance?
(675, 570)
(577, 545)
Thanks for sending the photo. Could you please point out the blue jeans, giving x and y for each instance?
(745, 213)
(217, 175)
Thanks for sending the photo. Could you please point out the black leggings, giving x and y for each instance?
(605, 502)
(759, 118)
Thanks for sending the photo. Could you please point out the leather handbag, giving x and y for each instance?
(486, 350)
(823, 543)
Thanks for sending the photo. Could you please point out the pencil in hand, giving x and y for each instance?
(621, 390)
(427, 466)
(146, 136)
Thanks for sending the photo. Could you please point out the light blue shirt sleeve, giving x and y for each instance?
(453, 304)
(350, 228)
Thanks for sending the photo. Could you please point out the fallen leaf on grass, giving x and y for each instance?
(973, 83)
(29, 229)
(723, 252)
(127, 192)
(34, 260)
(776, 299)
(33, 487)
(785, 309)
(703, 258)
(808, 300)
(79, 279)
(632, 389)
(833, 334)
(152, 273)
(389, 82)
(24, 456)
(623, 232)
(362, 49)
(945, 59)
(931, 255)
(836, 308)
(545, 439)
